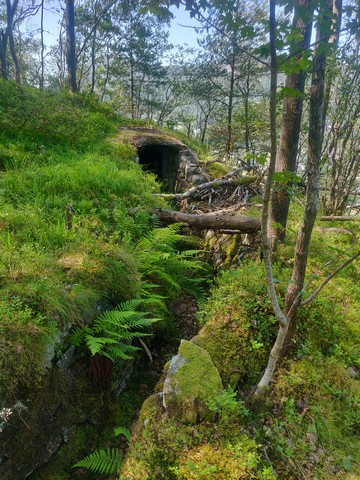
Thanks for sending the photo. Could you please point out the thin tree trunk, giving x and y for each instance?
(93, 65)
(290, 126)
(70, 45)
(287, 318)
(281, 318)
(3, 63)
(246, 110)
(107, 74)
(229, 141)
(10, 12)
(42, 46)
(315, 138)
(337, 14)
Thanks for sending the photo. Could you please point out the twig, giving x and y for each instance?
(269, 462)
(345, 264)
(146, 348)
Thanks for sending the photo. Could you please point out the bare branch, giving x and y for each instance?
(327, 280)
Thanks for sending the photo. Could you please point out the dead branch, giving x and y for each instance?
(204, 186)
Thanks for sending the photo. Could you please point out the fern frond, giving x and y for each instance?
(189, 253)
(117, 351)
(77, 337)
(96, 344)
(122, 431)
(102, 461)
(132, 305)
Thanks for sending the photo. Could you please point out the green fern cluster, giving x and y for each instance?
(113, 331)
(164, 258)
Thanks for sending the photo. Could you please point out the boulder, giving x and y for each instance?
(191, 381)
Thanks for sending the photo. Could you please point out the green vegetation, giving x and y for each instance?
(308, 425)
(76, 232)
(113, 331)
(81, 253)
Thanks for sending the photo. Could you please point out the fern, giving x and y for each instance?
(113, 331)
(163, 264)
(102, 461)
(122, 431)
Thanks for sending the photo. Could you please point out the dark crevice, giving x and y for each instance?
(163, 161)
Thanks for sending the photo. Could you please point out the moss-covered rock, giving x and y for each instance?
(192, 380)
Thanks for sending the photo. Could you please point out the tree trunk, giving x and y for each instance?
(287, 318)
(290, 126)
(229, 140)
(10, 12)
(281, 318)
(315, 138)
(42, 46)
(246, 97)
(3, 63)
(93, 63)
(337, 14)
(70, 45)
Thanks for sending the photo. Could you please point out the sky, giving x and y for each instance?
(179, 31)
(181, 28)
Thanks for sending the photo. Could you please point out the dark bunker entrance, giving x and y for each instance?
(163, 161)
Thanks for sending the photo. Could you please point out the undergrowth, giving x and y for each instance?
(307, 427)
(76, 231)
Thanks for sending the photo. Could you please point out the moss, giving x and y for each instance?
(216, 169)
(196, 381)
(148, 408)
(239, 324)
(198, 377)
(221, 462)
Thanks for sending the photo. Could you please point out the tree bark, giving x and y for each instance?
(10, 12)
(210, 221)
(3, 46)
(229, 127)
(281, 318)
(315, 138)
(70, 45)
(42, 45)
(290, 125)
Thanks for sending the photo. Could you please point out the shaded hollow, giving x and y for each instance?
(163, 161)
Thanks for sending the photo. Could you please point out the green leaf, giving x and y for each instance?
(287, 92)
(347, 464)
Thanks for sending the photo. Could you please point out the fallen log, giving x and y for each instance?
(339, 218)
(210, 221)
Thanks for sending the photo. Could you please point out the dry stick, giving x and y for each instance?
(346, 231)
(345, 264)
